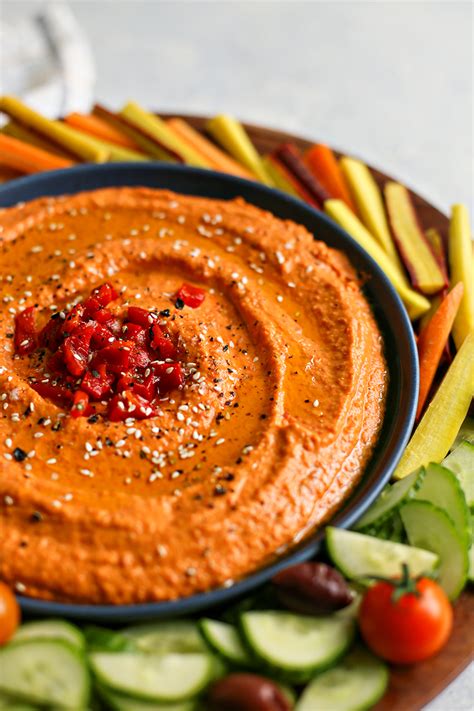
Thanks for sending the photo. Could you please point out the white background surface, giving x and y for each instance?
(388, 81)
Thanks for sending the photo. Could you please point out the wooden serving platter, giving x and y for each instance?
(410, 688)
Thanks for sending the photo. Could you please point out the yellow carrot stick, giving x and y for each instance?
(368, 198)
(415, 303)
(461, 263)
(116, 153)
(278, 177)
(148, 145)
(79, 145)
(445, 414)
(233, 137)
(154, 126)
(16, 130)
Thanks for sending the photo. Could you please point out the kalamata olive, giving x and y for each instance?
(246, 692)
(312, 588)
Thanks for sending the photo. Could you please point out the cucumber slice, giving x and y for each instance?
(8, 703)
(461, 462)
(119, 702)
(442, 488)
(355, 684)
(391, 499)
(51, 629)
(358, 556)
(470, 574)
(296, 646)
(466, 433)
(101, 639)
(154, 677)
(180, 636)
(49, 672)
(225, 640)
(430, 527)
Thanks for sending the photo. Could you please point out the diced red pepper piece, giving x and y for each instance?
(140, 316)
(52, 390)
(26, 338)
(50, 335)
(192, 296)
(115, 326)
(80, 404)
(91, 307)
(129, 405)
(139, 358)
(101, 335)
(75, 352)
(125, 382)
(97, 385)
(148, 389)
(103, 316)
(134, 332)
(104, 294)
(116, 356)
(72, 320)
(165, 348)
(171, 376)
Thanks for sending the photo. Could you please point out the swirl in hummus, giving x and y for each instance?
(283, 397)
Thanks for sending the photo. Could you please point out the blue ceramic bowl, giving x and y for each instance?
(400, 350)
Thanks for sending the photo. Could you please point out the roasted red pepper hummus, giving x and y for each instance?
(190, 482)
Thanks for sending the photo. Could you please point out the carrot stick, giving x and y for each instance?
(217, 159)
(323, 164)
(289, 155)
(26, 135)
(26, 158)
(298, 187)
(101, 129)
(433, 338)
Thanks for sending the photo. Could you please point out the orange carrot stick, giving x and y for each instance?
(101, 129)
(26, 158)
(323, 164)
(433, 338)
(217, 159)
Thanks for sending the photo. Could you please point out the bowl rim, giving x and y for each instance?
(61, 182)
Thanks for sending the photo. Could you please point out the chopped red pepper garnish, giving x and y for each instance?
(80, 404)
(26, 336)
(190, 295)
(123, 365)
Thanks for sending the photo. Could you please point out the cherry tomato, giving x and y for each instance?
(405, 621)
(9, 613)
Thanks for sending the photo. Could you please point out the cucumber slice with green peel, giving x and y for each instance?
(9, 703)
(391, 499)
(46, 672)
(119, 702)
(296, 646)
(465, 434)
(154, 677)
(51, 629)
(225, 640)
(355, 684)
(359, 556)
(180, 636)
(430, 527)
(442, 488)
(461, 462)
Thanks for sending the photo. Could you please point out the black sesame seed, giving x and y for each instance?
(165, 313)
(219, 490)
(36, 516)
(19, 454)
(93, 419)
(179, 304)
